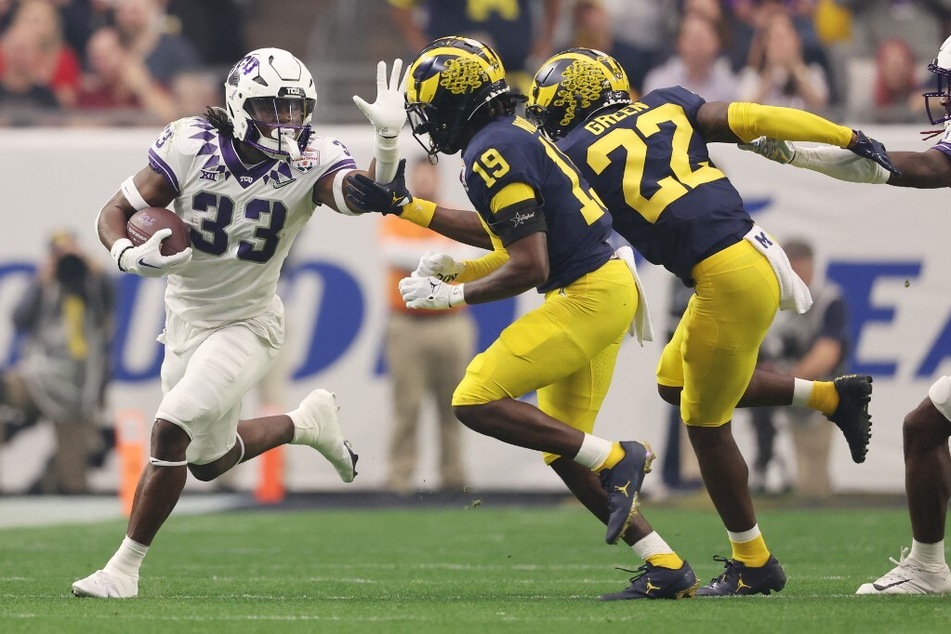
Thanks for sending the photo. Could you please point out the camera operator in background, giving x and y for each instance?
(814, 345)
(65, 321)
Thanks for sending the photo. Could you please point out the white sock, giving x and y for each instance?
(649, 545)
(744, 536)
(928, 554)
(128, 559)
(294, 415)
(802, 388)
(594, 451)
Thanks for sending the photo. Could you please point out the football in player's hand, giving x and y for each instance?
(146, 222)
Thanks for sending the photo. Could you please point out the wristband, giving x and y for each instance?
(118, 250)
(457, 295)
(419, 212)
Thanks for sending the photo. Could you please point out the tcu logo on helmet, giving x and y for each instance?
(248, 65)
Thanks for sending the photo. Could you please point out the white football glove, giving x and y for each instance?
(146, 260)
(429, 292)
(388, 112)
(773, 149)
(439, 265)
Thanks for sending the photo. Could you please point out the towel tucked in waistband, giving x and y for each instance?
(641, 327)
(793, 292)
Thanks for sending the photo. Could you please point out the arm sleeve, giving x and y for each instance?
(840, 164)
(751, 120)
(480, 267)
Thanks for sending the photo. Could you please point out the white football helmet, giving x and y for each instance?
(270, 97)
(941, 67)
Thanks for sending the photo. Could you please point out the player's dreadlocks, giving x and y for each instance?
(501, 105)
(218, 118)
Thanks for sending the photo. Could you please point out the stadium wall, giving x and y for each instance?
(887, 247)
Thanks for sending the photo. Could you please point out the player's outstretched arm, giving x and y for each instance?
(922, 170)
(388, 115)
(364, 194)
(844, 165)
(744, 121)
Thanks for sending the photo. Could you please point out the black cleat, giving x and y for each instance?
(622, 482)
(851, 416)
(740, 579)
(655, 582)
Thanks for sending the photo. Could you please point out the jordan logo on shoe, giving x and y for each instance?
(650, 586)
(623, 489)
(890, 585)
(740, 585)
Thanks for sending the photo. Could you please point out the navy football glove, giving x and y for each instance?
(869, 148)
(366, 194)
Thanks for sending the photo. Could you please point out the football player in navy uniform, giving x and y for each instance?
(923, 569)
(245, 180)
(547, 231)
(648, 161)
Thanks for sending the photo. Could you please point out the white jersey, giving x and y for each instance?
(243, 219)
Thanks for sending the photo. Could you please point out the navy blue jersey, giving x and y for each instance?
(507, 23)
(509, 150)
(651, 167)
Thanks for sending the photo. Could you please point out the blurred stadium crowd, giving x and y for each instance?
(144, 62)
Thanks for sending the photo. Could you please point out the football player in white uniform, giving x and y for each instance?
(244, 180)
(927, 428)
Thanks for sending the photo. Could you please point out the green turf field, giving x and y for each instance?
(476, 569)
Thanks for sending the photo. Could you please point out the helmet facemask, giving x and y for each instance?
(939, 113)
(278, 125)
(423, 122)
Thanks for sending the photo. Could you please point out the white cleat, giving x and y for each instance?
(315, 424)
(107, 585)
(910, 576)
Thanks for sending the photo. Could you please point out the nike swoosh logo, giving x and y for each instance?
(891, 585)
(142, 262)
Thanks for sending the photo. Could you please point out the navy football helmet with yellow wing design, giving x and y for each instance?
(447, 83)
(571, 86)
